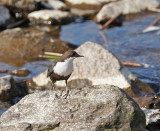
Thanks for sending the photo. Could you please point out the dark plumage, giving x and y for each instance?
(61, 69)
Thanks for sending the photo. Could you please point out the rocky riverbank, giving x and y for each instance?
(101, 86)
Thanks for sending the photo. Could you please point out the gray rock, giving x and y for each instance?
(8, 88)
(111, 10)
(98, 66)
(93, 108)
(28, 44)
(50, 16)
(4, 15)
(152, 119)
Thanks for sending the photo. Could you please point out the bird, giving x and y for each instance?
(62, 68)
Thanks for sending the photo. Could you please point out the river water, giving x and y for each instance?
(127, 42)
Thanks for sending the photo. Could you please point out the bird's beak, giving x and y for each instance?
(79, 55)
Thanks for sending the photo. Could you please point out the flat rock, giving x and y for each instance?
(8, 88)
(28, 43)
(55, 4)
(93, 108)
(113, 9)
(50, 17)
(98, 66)
(4, 15)
(87, 4)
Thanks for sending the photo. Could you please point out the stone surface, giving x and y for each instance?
(4, 15)
(28, 44)
(100, 107)
(50, 17)
(124, 7)
(152, 119)
(8, 88)
(55, 4)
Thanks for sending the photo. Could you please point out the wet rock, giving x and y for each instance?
(4, 15)
(111, 10)
(55, 4)
(50, 17)
(98, 66)
(3, 107)
(92, 108)
(28, 44)
(20, 72)
(8, 88)
(87, 4)
(152, 119)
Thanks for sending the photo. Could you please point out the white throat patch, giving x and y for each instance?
(64, 68)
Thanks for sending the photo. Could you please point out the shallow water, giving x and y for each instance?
(126, 42)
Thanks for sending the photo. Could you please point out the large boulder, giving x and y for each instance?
(28, 43)
(93, 108)
(98, 66)
(113, 9)
(50, 17)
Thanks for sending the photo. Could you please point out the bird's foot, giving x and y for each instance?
(58, 96)
(66, 95)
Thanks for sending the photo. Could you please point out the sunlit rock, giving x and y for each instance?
(101, 107)
(28, 44)
(55, 4)
(113, 9)
(88, 4)
(50, 16)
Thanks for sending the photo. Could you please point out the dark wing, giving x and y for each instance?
(50, 68)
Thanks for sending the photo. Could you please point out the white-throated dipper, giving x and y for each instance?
(61, 69)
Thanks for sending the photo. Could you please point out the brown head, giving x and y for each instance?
(68, 54)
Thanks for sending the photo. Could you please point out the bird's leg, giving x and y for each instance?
(67, 91)
(52, 83)
(53, 87)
